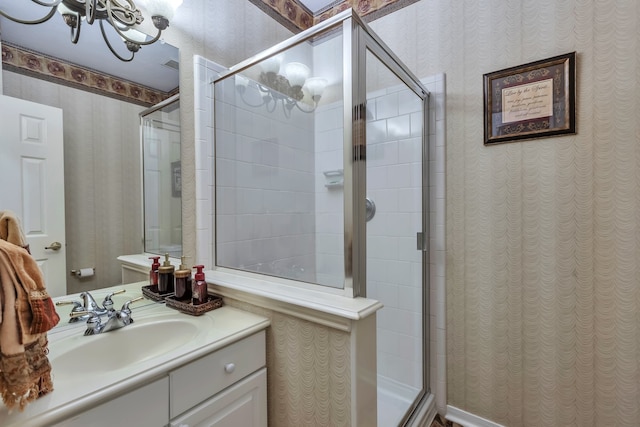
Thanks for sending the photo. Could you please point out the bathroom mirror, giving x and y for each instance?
(102, 161)
(162, 178)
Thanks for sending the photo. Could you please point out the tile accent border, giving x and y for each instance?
(294, 16)
(34, 64)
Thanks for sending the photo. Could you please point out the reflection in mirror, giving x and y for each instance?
(101, 130)
(162, 181)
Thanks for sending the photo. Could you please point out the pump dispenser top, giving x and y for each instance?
(153, 273)
(156, 262)
(183, 281)
(199, 273)
(165, 273)
(200, 295)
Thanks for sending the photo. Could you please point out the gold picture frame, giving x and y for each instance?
(533, 100)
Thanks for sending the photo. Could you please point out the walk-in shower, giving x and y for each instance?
(321, 161)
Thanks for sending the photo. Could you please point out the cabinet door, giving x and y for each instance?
(147, 406)
(243, 404)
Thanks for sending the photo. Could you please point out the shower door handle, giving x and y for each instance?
(421, 243)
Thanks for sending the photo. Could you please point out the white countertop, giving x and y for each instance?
(80, 384)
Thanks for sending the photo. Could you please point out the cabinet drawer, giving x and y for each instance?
(243, 404)
(211, 374)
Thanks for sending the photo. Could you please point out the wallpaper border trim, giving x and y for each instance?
(295, 17)
(33, 64)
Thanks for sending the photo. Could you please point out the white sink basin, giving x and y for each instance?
(153, 334)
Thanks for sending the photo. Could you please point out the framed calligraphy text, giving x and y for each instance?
(531, 101)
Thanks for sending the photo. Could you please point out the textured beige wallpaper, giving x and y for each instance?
(308, 371)
(103, 201)
(543, 236)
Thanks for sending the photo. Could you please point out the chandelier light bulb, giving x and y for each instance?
(241, 83)
(271, 65)
(316, 86)
(164, 8)
(297, 73)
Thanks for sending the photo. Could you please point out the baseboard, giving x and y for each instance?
(467, 419)
(425, 413)
(401, 391)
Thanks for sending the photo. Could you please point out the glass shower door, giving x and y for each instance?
(394, 182)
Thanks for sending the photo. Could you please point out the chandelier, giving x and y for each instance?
(122, 15)
(289, 88)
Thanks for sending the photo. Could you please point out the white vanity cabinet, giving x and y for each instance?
(227, 387)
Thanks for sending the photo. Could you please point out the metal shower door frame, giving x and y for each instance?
(365, 40)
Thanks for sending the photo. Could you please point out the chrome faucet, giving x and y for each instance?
(116, 320)
(89, 304)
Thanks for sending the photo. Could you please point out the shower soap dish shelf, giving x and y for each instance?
(334, 178)
(213, 302)
(155, 296)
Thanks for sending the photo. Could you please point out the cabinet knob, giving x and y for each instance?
(229, 368)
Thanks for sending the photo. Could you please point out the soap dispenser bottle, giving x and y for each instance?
(183, 282)
(200, 295)
(153, 273)
(165, 276)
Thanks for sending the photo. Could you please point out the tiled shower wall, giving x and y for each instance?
(265, 191)
(329, 164)
(265, 205)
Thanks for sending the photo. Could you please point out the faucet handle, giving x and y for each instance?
(77, 307)
(111, 294)
(125, 306)
(75, 303)
(76, 314)
(94, 323)
(108, 302)
(124, 315)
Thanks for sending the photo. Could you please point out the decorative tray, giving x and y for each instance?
(213, 302)
(154, 295)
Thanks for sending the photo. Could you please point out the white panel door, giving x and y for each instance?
(32, 177)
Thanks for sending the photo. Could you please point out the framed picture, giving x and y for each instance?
(176, 179)
(531, 101)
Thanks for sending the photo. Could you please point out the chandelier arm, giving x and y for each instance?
(127, 13)
(286, 109)
(75, 31)
(106, 40)
(53, 3)
(110, 17)
(90, 8)
(315, 105)
(124, 36)
(274, 103)
(250, 104)
(45, 18)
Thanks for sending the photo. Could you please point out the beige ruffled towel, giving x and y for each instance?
(26, 314)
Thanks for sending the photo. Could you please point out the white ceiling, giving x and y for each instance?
(53, 38)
